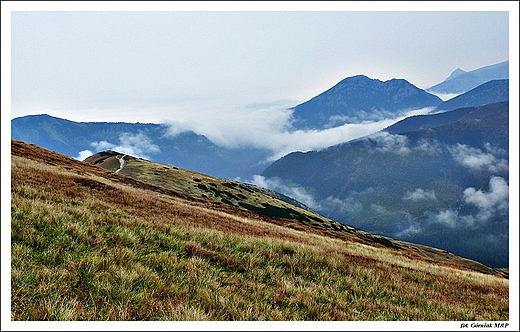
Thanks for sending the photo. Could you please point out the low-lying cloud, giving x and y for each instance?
(361, 117)
(492, 159)
(386, 142)
(268, 126)
(348, 205)
(419, 195)
(450, 218)
(264, 126)
(137, 145)
(296, 192)
(409, 230)
(495, 201)
(495, 150)
(490, 204)
(478, 160)
(375, 115)
(428, 146)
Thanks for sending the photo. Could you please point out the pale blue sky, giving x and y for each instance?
(233, 66)
(222, 69)
(81, 60)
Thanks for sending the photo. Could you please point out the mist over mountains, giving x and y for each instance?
(385, 157)
(261, 143)
(146, 140)
(445, 185)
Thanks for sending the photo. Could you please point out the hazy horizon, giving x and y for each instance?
(225, 71)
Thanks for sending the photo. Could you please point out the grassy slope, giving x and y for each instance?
(262, 201)
(194, 184)
(91, 244)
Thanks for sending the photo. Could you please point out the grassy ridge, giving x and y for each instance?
(233, 193)
(265, 202)
(92, 245)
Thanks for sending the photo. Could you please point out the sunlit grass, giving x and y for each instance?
(87, 248)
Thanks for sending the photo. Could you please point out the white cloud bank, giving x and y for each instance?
(477, 159)
(386, 142)
(494, 202)
(138, 145)
(419, 195)
(268, 126)
(295, 192)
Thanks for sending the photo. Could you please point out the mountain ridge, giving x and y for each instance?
(359, 98)
(457, 72)
(193, 151)
(33, 152)
(425, 121)
(464, 81)
(486, 93)
(415, 184)
(145, 139)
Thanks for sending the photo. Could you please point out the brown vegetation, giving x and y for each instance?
(91, 244)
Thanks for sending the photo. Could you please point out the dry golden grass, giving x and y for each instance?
(86, 244)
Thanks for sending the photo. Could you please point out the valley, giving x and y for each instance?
(92, 244)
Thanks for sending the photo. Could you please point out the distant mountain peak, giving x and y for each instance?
(357, 99)
(356, 79)
(457, 72)
(460, 81)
